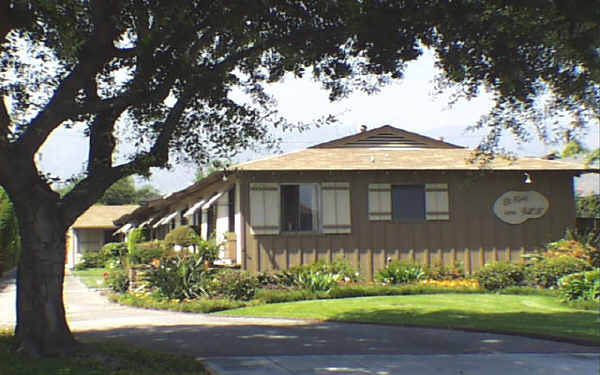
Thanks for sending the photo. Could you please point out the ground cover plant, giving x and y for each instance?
(534, 315)
(96, 359)
(399, 272)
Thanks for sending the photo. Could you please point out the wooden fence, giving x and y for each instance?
(138, 277)
(368, 261)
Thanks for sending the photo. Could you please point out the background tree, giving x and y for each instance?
(146, 193)
(123, 191)
(588, 206)
(215, 165)
(10, 240)
(159, 74)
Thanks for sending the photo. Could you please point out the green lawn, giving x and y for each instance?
(92, 277)
(97, 359)
(534, 315)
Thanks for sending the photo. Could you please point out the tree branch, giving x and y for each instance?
(160, 149)
(102, 141)
(5, 123)
(98, 50)
(88, 191)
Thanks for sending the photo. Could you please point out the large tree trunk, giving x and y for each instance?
(42, 328)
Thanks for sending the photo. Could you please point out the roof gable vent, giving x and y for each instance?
(387, 140)
(386, 137)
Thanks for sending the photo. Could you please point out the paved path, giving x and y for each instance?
(230, 345)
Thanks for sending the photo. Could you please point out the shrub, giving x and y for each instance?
(267, 279)
(576, 249)
(114, 249)
(398, 272)
(134, 237)
(92, 259)
(147, 256)
(184, 236)
(580, 285)
(442, 272)
(207, 249)
(200, 305)
(283, 278)
(500, 275)
(180, 276)
(233, 284)
(546, 272)
(117, 279)
(528, 291)
(278, 296)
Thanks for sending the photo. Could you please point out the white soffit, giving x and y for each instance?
(194, 208)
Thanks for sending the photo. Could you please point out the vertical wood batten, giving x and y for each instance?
(356, 260)
(481, 258)
(467, 258)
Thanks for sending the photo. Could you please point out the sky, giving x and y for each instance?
(407, 104)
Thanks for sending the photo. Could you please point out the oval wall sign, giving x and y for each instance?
(515, 207)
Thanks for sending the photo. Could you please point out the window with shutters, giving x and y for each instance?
(408, 202)
(298, 208)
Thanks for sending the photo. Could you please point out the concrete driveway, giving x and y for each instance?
(230, 345)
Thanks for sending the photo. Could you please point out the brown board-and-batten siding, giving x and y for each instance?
(471, 234)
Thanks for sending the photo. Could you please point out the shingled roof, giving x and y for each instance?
(388, 148)
(392, 159)
(102, 217)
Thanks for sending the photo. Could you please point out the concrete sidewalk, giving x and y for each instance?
(232, 345)
(407, 364)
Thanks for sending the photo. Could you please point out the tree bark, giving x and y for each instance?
(42, 329)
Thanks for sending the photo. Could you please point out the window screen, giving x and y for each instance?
(408, 202)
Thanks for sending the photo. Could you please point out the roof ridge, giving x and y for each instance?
(410, 139)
